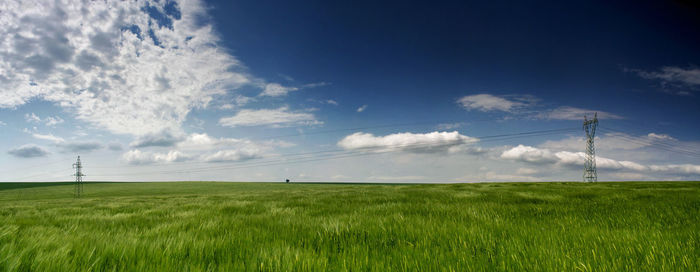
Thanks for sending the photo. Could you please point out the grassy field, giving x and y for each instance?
(192, 226)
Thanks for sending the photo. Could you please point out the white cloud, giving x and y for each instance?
(412, 142)
(467, 149)
(73, 146)
(572, 113)
(242, 100)
(227, 107)
(531, 154)
(671, 74)
(660, 137)
(332, 102)
(202, 141)
(204, 148)
(362, 108)
(677, 168)
(28, 151)
(136, 156)
(487, 102)
(275, 117)
(233, 155)
(275, 89)
(49, 121)
(570, 158)
(516, 104)
(48, 137)
(53, 121)
(238, 101)
(113, 65)
(2, 123)
(32, 118)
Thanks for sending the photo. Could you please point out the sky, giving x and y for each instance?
(360, 91)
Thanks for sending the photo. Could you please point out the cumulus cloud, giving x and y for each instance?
(487, 102)
(529, 154)
(274, 117)
(222, 149)
(32, 118)
(204, 148)
(136, 156)
(49, 121)
(28, 151)
(362, 108)
(202, 141)
(535, 155)
(131, 67)
(412, 142)
(233, 155)
(572, 113)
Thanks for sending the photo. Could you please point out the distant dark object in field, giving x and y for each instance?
(287, 180)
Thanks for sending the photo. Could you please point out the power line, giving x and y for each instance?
(338, 130)
(652, 144)
(341, 153)
(630, 126)
(54, 162)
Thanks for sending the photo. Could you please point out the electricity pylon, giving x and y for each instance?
(590, 174)
(78, 178)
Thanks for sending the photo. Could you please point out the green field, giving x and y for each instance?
(192, 226)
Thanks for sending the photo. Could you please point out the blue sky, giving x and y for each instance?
(359, 91)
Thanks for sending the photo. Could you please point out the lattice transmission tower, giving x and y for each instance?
(590, 174)
(78, 178)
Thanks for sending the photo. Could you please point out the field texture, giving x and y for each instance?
(192, 226)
